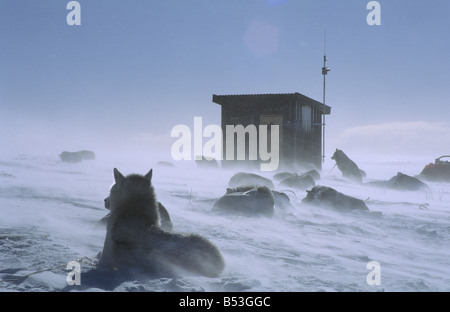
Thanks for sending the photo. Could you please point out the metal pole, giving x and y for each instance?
(323, 111)
(325, 70)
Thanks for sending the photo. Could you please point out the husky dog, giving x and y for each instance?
(329, 197)
(134, 240)
(247, 200)
(245, 178)
(347, 166)
(402, 182)
(299, 182)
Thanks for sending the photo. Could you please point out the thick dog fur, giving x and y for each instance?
(135, 241)
(328, 197)
(248, 201)
(347, 166)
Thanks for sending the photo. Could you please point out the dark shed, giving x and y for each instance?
(298, 116)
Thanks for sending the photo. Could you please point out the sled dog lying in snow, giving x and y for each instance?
(328, 197)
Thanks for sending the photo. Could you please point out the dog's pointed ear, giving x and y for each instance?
(149, 175)
(118, 177)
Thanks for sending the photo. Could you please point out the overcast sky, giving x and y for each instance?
(134, 69)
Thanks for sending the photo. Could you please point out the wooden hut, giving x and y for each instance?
(299, 119)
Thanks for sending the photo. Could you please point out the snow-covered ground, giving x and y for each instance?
(50, 212)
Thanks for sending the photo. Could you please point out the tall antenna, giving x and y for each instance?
(325, 70)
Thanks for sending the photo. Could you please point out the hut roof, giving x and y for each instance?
(271, 98)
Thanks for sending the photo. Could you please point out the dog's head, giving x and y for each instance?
(132, 187)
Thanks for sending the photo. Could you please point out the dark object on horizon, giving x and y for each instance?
(402, 182)
(299, 119)
(165, 164)
(299, 182)
(244, 178)
(439, 171)
(249, 201)
(325, 196)
(75, 157)
(347, 166)
(204, 162)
